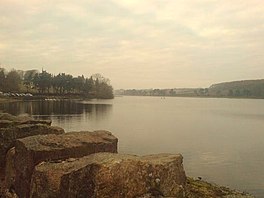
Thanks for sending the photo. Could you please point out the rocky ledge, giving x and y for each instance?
(9, 135)
(46, 162)
(15, 127)
(34, 149)
(110, 175)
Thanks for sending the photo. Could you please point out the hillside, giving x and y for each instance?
(245, 88)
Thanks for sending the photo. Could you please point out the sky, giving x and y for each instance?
(136, 43)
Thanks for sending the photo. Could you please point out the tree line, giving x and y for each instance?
(164, 92)
(33, 81)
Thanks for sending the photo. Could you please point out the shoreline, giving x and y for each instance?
(63, 97)
(188, 96)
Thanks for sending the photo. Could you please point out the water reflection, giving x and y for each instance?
(212, 134)
(61, 110)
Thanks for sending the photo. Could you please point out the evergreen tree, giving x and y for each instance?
(2, 79)
(13, 81)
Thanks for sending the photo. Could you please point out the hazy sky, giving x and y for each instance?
(136, 43)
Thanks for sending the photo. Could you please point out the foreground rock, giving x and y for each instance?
(9, 135)
(110, 175)
(113, 175)
(32, 150)
(14, 127)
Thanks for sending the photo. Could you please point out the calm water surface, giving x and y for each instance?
(222, 140)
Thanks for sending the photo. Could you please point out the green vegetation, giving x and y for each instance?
(44, 83)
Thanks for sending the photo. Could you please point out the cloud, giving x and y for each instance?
(134, 43)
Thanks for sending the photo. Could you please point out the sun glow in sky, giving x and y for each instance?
(136, 43)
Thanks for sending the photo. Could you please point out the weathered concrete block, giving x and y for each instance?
(9, 135)
(110, 175)
(32, 150)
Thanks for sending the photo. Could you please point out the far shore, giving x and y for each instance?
(192, 96)
(75, 97)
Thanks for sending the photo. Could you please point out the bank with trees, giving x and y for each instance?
(62, 84)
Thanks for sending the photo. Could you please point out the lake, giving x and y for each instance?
(221, 140)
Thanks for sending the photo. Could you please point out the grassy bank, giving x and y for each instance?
(198, 188)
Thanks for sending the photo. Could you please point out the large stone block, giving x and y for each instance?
(110, 175)
(32, 150)
(9, 135)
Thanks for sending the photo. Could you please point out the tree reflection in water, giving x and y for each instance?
(61, 110)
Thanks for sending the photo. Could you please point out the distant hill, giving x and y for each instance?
(244, 88)
(235, 89)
